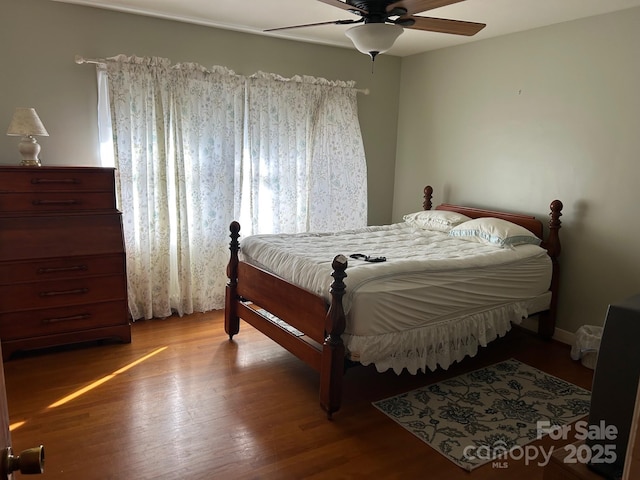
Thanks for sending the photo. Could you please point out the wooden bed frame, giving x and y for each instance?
(251, 291)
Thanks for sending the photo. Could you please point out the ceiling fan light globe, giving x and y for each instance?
(374, 38)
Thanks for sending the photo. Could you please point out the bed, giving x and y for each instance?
(418, 294)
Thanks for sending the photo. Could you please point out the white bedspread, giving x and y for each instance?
(433, 301)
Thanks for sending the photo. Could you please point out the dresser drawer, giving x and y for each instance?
(46, 236)
(35, 323)
(31, 202)
(51, 179)
(49, 294)
(61, 268)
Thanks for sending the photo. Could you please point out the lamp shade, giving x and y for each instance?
(374, 38)
(25, 122)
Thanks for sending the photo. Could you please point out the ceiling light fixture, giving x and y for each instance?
(374, 38)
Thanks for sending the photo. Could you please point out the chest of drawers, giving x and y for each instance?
(62, 259)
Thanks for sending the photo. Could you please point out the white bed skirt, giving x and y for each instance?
(440, 344)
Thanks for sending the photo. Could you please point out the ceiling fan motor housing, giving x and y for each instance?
(377, 10)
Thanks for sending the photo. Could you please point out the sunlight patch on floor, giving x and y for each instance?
(104, 379)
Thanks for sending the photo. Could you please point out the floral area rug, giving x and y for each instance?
(489, 413)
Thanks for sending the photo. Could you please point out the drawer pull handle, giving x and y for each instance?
(73, 268)
(65, 292)
(49, 181)
(56, 202)
(83, 316)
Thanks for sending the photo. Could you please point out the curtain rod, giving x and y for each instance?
(79, 59)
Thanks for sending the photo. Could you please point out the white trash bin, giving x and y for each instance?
(586, 345)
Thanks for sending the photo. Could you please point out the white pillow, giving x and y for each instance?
(494, 231)
(440, 220)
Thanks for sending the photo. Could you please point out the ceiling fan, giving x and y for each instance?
(382, 21)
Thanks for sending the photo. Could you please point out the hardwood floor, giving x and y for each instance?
(202, 407)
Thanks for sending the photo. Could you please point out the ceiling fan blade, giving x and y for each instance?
(345, 6)
(417, 6)
(442, 25)
(333, 22)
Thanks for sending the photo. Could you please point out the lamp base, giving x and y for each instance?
(30, 163)
(29, 149)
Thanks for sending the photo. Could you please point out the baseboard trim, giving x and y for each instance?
(559, 335)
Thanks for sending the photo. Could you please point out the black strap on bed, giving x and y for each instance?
(367, 258)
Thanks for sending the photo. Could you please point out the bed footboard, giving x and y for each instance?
(295, 318)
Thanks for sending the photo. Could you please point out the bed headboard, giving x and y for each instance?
(529, 222)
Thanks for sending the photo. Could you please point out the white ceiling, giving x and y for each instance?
(253, 16)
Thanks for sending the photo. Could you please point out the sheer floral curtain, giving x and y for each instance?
(195, 148)
(305, 168)
(177, 144)
(338, 168)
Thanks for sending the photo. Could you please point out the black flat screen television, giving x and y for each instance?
(615, 385)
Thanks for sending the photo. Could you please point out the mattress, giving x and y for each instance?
(434, 300)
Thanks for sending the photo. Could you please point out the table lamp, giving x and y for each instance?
(26, 124)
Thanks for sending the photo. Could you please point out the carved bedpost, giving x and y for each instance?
(547, 323)
(428, 195)
(553, 242)
(231, 319)
(333, 354)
